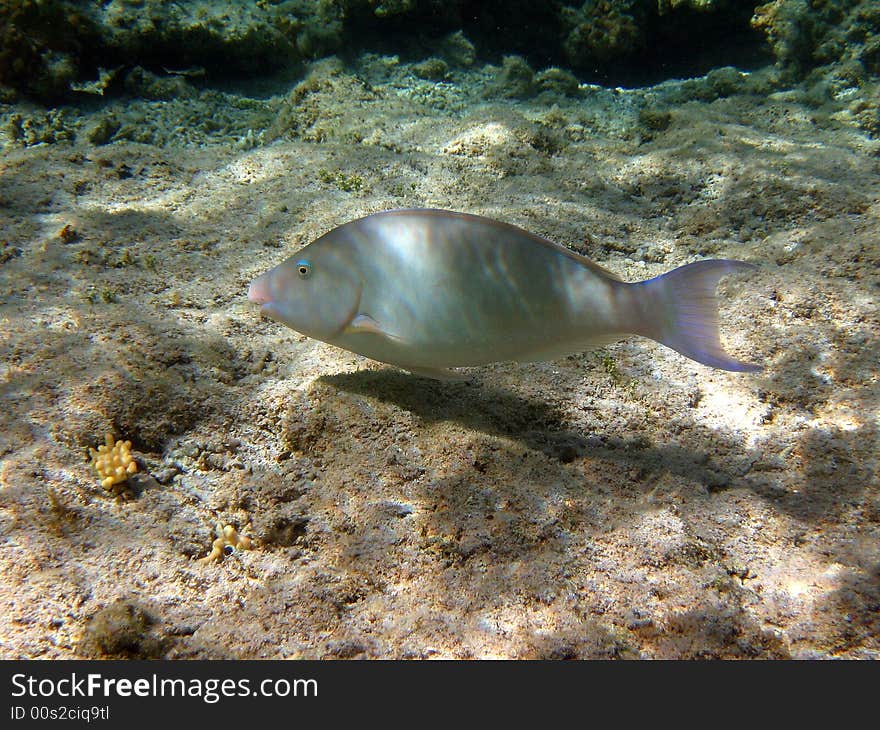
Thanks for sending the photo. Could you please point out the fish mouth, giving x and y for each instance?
(258, 291)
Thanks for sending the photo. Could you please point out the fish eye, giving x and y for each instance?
(304, 269)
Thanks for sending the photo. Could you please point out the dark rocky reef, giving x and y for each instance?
(808, 34)
(43, 46)
(48, 47)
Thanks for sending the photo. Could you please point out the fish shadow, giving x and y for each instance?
(535, 424)
(472, 404)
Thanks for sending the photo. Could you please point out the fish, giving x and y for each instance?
(430, 290)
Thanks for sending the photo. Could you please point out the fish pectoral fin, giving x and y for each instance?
(437, 373)
(364, 323)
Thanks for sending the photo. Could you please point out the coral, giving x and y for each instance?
(227, 537)
(113, 462)
(385, 8)
(52, 48)
(234, 37)
(48, 46)
(40, 127)
(666, 6)
(40, 41)
(841, 38)
(601, 30)
(790, 30)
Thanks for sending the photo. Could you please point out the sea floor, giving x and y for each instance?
(625, 502)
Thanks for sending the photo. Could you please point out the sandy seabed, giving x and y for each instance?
(626, 502)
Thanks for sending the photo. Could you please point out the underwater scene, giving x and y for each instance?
(606, 387)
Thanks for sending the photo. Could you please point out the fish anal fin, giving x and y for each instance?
(560, 350)
(437, 373)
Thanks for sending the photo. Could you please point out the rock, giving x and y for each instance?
(558, 80)
(121, 630)
(516, 79)
(433, 69)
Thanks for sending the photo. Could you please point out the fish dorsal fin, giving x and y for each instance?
(580, 258)
(592, 265)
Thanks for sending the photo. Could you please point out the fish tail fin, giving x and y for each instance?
(679, 309)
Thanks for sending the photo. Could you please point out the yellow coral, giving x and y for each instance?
(113, 461)
(227, 536)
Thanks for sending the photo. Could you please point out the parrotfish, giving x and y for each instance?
(429, 290)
